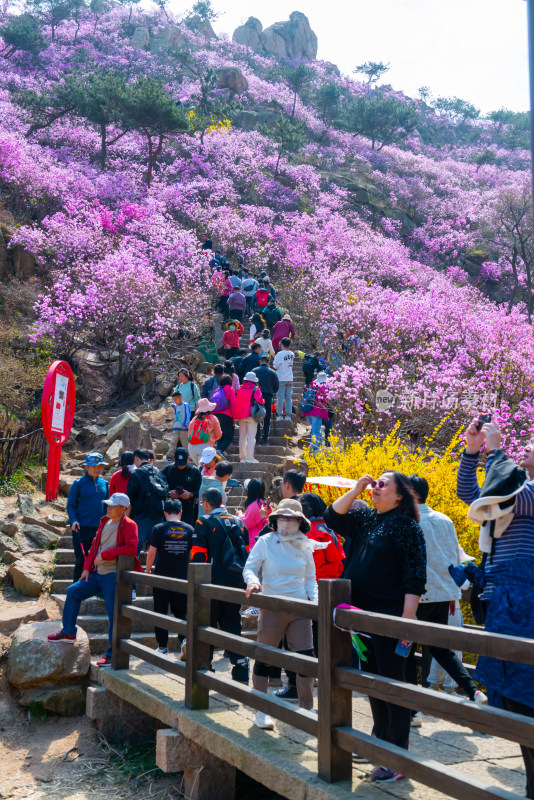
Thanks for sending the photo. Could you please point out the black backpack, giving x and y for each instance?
(156, 490)
(234, 554)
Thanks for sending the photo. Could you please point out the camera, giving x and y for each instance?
(482, 420)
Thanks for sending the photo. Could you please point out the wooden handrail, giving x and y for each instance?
(496, 645)
(160, 581)
(300, 608)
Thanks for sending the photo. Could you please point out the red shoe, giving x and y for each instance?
(61, 637)
(105, 661)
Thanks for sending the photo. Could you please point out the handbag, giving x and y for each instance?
(257, 411)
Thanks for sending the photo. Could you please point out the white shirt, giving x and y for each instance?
(283, 364)
(442, 549)
(284, 569)
(267, 348)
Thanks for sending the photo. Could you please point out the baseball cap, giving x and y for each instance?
(93, 459)
(181, 456)
(118, 499)
(208, 454)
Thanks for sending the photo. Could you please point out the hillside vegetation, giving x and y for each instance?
(398, 230)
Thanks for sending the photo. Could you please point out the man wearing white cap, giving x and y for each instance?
(116, 536)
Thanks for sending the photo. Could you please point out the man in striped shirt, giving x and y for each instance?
(509, 582)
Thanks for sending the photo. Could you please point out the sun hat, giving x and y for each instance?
(118, 499)
(204, 406)
(321, 377)
(286, 316)
(93, 459)
(251, 376)
(290, 509)
(208, 454)
(232, 322)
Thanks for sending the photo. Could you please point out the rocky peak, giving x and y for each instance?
(293, 38)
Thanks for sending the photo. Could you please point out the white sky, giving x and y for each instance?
(475, 49)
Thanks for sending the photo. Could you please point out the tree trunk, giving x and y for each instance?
(103, 146)
(294, 104)
(277, 163)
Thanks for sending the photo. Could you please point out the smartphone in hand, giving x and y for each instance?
(403, 648)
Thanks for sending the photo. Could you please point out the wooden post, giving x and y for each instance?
(335, 704)
(198, 653)
(122, 626)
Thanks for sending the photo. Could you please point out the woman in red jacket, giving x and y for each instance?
(282, 329)
(119, 480)
(231, 336)
(116, 536)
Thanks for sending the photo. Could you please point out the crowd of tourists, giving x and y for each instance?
(401, 557)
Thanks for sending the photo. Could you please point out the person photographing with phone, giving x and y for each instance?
(386, 564)
(504, 506)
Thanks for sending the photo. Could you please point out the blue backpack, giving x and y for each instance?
(308, 400)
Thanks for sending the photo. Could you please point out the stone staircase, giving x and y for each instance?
(274, 459)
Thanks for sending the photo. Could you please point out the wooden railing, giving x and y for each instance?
(337, 680)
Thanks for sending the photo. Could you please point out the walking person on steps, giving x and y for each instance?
(85, 509)
(283, 364)
(248, 394)
(204, 430)
(269, 385)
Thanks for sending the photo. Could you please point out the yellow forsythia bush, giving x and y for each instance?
(373, 455)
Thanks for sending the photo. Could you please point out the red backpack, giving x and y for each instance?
(262, 297)
(199, 433)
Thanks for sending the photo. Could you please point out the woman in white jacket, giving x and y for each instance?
(284, 558)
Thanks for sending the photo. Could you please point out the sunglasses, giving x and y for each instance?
(379, 484)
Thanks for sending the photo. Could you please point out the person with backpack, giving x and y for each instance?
(261, 298)
(119, 480)
(189, 389)
(249, 287)
(272, 314)
(230, 340)
(269, 384)
(116, 536)
(222, 539)
(284, 560)
(237, 302)
(182, 418)
(204, 430)
(251, 361)
(211, 384)
(314, 407)
(248, 396)
(85, 509)
(268, 285)
(283, 364)
(184, 479)
(310, 364)
(283, 330)
(170, 548)
(266, 345)
(225, 410)
(147, 490)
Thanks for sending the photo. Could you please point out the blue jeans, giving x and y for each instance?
(316, 433)
(81, 590)
(144, 528)
(285, 392)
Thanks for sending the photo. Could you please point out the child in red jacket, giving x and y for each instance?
(231, 336)
(116, 536)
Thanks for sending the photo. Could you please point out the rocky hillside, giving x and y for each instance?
(398, 229)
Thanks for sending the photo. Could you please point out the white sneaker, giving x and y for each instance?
(164, 650)
(480, 698)
(250, 612)
(134, 594)
(253, 461)
(417, 720)
(263, 721)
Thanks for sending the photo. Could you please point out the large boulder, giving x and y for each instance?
(33, 660)
(249, 34)
(28, 576)
(26, 505)
(42, 537)
(293, 38)
(67, 701)
(9, 549)
(113, 452)
(202, 27)
(231, 78)
(140, 38)
(114, 428)
(169, 37)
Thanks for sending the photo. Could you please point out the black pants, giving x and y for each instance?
(266, 425)
(526, 752)
(226, 616)
(391, 722)
(163, 598)
(81, 539)
(235, 314)
(309, 372)
(438, 613)
(222, 304)
(227, 428)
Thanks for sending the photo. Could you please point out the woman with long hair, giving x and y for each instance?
(119, 480)
(188, 388)
(386, 564)
(257, 324)
(257, 508)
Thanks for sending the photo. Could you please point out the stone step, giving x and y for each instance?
(64, 541)
(99, 642)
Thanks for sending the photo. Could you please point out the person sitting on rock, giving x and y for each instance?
(116, 536)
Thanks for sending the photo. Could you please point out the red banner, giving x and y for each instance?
(57, 411)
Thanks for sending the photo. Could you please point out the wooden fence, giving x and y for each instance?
(337, 679)
(19, 446)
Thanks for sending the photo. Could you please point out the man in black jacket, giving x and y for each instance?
(147, 490)
(268, 383)
(221, 538)
(184, 481)
(272, 314)
(250, 362)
